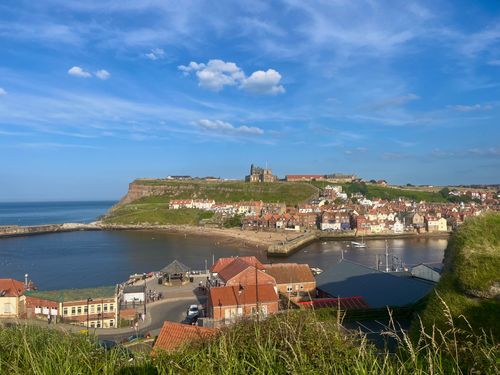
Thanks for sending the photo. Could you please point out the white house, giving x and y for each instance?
(133, 293)
(398, 227)
(10, 293)
(203, 204)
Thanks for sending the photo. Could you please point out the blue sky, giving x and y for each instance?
(96, 93)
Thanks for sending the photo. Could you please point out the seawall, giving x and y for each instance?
(288, 248)
(16, 230)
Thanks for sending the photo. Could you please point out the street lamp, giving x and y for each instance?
(88, 300)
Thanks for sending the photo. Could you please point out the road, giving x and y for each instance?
(174, 311)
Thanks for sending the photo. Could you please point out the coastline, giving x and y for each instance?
(281, 243)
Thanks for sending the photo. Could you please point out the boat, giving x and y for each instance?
(316, 271)
(358, 244)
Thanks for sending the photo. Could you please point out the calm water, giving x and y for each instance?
(86, 259)
(34, 213)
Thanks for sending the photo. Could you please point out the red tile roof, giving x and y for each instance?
(350, 303)
(174, 335)
(223, 262)
(234, 295)
(11, 288)
(285, 273)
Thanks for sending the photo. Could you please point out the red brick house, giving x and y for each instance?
(228, 303)
(223, 262)
(240, 273)
(293, 280)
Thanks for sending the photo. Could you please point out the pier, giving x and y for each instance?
(17, 230)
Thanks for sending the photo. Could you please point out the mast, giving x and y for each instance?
(386, 257)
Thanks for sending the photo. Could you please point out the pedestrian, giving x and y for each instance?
(48, 318)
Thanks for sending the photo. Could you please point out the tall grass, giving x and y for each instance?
(295, 342)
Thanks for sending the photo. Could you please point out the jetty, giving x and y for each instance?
(21, 230)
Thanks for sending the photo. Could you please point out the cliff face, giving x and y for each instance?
(137, 191)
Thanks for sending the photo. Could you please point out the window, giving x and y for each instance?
(289, 288)
(85, 309)
(302, 287)
(79, 309)
(73, 310)
(92, 307)
(98, 308)
(105, 308)
(65, 311)
(98, 324)
(111, 323)
(92, 324)
(111, 307)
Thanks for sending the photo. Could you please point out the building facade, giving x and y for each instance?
(258, 174)
(11, 292)
(90, 307)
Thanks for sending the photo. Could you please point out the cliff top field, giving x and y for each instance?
(147, 199)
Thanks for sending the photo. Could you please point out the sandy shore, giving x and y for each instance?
(226, 236)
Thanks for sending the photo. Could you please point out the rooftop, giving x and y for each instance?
(223, 262)
(11, 288)
(378, 289)
(65, 295)
(290, 273)
(174, 335)
(175, 267)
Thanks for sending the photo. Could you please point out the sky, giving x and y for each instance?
(96, 93)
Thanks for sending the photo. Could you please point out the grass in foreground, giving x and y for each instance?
(291, 343)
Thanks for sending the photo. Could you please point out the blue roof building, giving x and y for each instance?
(379, 289)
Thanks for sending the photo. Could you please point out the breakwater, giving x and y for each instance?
(289, 247)
(18, 230)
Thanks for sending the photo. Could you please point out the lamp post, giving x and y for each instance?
(88, 300)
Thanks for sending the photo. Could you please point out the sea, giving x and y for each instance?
(95, 258)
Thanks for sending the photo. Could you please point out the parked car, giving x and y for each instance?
(191, 320)
(193, 311)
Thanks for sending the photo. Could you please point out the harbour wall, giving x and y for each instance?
(287, 248)
(17, 230)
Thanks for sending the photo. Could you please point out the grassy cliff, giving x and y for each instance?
(470, 285)
(147, 200)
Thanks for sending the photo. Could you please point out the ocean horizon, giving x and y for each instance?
(52, 212)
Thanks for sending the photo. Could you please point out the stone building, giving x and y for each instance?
(258, 174)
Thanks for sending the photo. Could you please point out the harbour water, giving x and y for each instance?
(88, 259)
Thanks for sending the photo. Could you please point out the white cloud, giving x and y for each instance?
(102, 74)
(472, 108)
(217, 74)
(227, 128)
(261, 82)
(2, 92)
(156, 54)
(78, 72)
